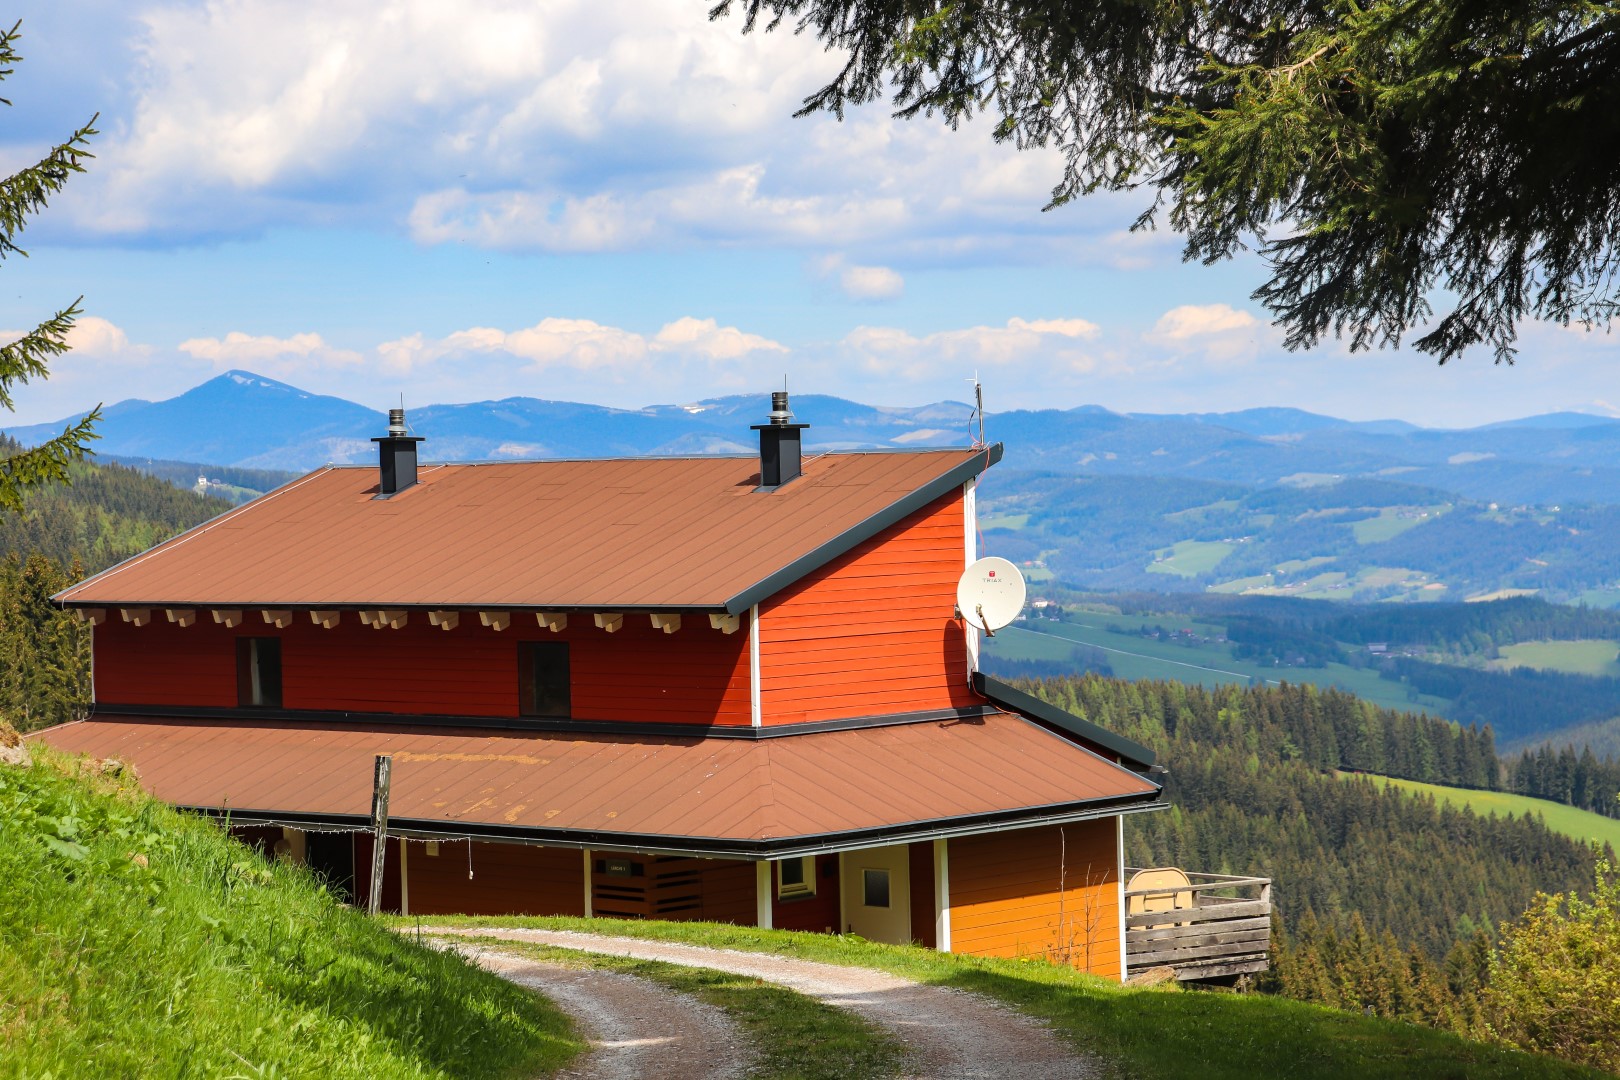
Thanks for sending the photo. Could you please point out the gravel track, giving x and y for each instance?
(951, 1034)
(636, 1027)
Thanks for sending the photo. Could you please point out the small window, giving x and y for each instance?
(543, 679)
(258, 672)
(796, 877)
(875, 888)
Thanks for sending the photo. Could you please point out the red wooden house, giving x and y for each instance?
(728, 688)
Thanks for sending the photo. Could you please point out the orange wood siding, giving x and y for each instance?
(921, 855)
(1005, 899)
(873, 631)
(694, 676)
(508, 879)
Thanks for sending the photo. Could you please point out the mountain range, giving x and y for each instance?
(244, 419)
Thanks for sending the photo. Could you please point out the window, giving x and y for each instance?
(258, 672)
(543, 678)
(875, 888)
(796, 877)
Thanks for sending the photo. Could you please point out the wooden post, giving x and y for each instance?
(379, 828)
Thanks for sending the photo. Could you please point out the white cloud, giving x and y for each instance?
(861, 282)
(1050, 342)
(93, 336)
(703, 337)
(1219, 332)
(550, 125)
(270, 355)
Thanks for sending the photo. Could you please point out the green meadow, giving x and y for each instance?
(1578, 824)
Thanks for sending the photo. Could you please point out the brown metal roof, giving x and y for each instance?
(708, 795)
(629, 532)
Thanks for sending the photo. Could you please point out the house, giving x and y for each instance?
(726, 688)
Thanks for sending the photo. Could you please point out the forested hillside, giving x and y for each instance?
(107, 514)
(1252, 792)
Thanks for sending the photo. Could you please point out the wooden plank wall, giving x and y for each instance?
(673, 887)
(921, 857)
(694, 676)
(1005, 899)
(873, 632)
(508, 879)
(818, 913)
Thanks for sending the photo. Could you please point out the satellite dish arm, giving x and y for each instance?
(984, 623)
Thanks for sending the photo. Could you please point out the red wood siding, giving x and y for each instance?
(922, 893)
(508, 879)
(696, 675)
(873, 632)
(1005, 899)
(818, 913)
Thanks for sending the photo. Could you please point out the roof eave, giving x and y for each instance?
(710, 846)
(892, 514)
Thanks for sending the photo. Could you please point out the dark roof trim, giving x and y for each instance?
(838, 545)
(1033, 707)
(708, 847)
(405, 721)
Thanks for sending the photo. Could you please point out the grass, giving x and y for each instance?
(136, 941)
(1572, 657)
(1389, 523)
(1004, 521)
(1147, 1034)
(1189, 558)
(798, 1037)
(1582, 825)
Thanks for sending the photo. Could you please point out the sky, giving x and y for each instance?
(614, 203)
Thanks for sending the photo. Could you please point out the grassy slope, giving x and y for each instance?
(1149, 1033)
(1189, 558)
(1570, 657)
(1151, 659)
(198, 959)
(1580, 824)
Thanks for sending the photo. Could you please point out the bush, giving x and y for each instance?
(1555, 983)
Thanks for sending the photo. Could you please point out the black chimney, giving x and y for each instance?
(778, 444)
(396, 456)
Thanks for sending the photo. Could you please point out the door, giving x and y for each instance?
(877, 893)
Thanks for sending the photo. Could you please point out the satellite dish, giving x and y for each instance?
(990, 594)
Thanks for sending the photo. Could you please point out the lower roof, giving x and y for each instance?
(818, 791)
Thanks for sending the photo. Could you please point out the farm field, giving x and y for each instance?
(1570, 657)
(1208, 663)
(1577, 824)
(1189, 558)
(1392, 521)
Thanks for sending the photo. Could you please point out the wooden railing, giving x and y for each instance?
(1213, 926)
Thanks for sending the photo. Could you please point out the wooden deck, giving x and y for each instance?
(1212, 927)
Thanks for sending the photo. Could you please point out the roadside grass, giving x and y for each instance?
(1146, 1034)
(798, 1037)
(137, 941)
(1582, 825)
(1571, 657)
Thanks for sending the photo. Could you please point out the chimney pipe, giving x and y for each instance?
(396, 456)
(779, 456)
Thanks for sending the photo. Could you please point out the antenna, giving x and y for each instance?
(978, 411)
(990, 594)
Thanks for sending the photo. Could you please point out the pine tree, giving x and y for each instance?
(22, 195)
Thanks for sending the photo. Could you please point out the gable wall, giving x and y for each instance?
(874, 631)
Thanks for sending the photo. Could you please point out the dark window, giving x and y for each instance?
(543, 678)
(796, 877)
(875, 888)
(258, 672)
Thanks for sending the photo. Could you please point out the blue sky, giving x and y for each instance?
(612, 203)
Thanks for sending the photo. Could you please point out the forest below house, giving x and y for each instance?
(1387, 902)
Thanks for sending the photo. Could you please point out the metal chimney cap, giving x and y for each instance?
(780, 413)
(396, 423)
